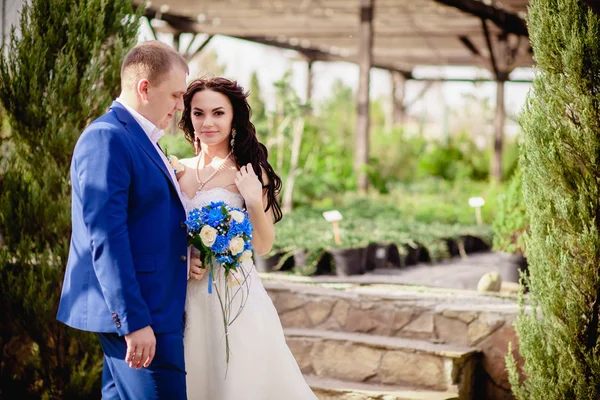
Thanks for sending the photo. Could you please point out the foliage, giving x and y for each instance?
(559, 338)
(401, 217)
(59, 73)
(259, 111)
(176, 145)
(510, 222)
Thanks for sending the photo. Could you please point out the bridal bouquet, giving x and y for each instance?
(223, 234)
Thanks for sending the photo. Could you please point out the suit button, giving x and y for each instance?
(183, 258)
(118, 324)
(183, 225)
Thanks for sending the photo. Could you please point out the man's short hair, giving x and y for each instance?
(150, 60)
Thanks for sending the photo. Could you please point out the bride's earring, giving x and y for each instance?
(233, 133)
(196, 145)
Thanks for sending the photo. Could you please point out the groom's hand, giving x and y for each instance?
(196, 270)
(141, 347)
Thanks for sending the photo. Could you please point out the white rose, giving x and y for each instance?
(246, 255)
(238, 216)
(176, 164)
(208, 235)
(236, 246)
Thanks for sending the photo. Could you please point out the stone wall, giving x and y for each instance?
(473, 320)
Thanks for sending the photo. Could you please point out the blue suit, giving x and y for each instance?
(127, 266)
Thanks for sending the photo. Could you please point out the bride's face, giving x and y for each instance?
(212, 115)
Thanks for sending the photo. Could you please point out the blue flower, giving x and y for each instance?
(225, 259)
(220, 245)
(194, 220)
(214, 216)
(193, 226)
(194, 215)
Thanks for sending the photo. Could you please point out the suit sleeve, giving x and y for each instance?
(103, 171)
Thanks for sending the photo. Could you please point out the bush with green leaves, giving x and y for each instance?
(373, 219)
(559, 338)
(57, 74)
(510, 223)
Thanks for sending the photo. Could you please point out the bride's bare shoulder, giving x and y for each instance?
(183, 165)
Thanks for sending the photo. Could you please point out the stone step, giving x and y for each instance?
(363, 358)
(440, 316)
(332, 389)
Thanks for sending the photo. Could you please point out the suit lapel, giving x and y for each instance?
(143, 140)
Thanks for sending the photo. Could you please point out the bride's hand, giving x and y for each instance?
(196, 270)
(249, 186)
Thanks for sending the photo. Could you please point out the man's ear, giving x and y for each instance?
(142, 88)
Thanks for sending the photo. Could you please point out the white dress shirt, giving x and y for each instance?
(153, 134)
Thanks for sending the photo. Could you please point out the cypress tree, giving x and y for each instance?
(59, 71)
(559, 338)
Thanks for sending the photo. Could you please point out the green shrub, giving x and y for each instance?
(510, 223)
(559, 336)
(60, 72)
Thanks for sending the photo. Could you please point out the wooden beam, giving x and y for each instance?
(469, 45)
(496, 172)
(190, 57)
(492, 58)
(466, 80)
(508, 22)
(178, 22)
(365, 57)
(318, 55)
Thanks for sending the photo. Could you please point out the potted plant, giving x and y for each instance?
(350, 255)
(509, 226)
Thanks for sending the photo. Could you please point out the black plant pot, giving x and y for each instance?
(264, 264)
(349, 261)
(393, 257)
(424, 256)
(376, 256)
(474, 244)
(453, 249)
(412, 255)
(324, 265)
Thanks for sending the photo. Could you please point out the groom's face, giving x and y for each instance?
(164, 99)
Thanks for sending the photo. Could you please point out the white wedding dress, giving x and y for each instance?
(261, 366)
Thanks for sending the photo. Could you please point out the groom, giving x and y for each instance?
(127, 269)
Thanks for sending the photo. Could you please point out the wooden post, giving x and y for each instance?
(336, 232)
(365, 37)
(498, 131)
(399, 92)
(309, 80)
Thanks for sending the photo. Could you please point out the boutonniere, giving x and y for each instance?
(176, 164)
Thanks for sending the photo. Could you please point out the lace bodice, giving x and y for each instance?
(205, 197)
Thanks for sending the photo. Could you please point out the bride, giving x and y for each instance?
(231, 166)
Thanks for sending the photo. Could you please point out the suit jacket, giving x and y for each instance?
(127, 265)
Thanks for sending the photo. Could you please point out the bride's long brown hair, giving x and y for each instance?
(247, 148)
